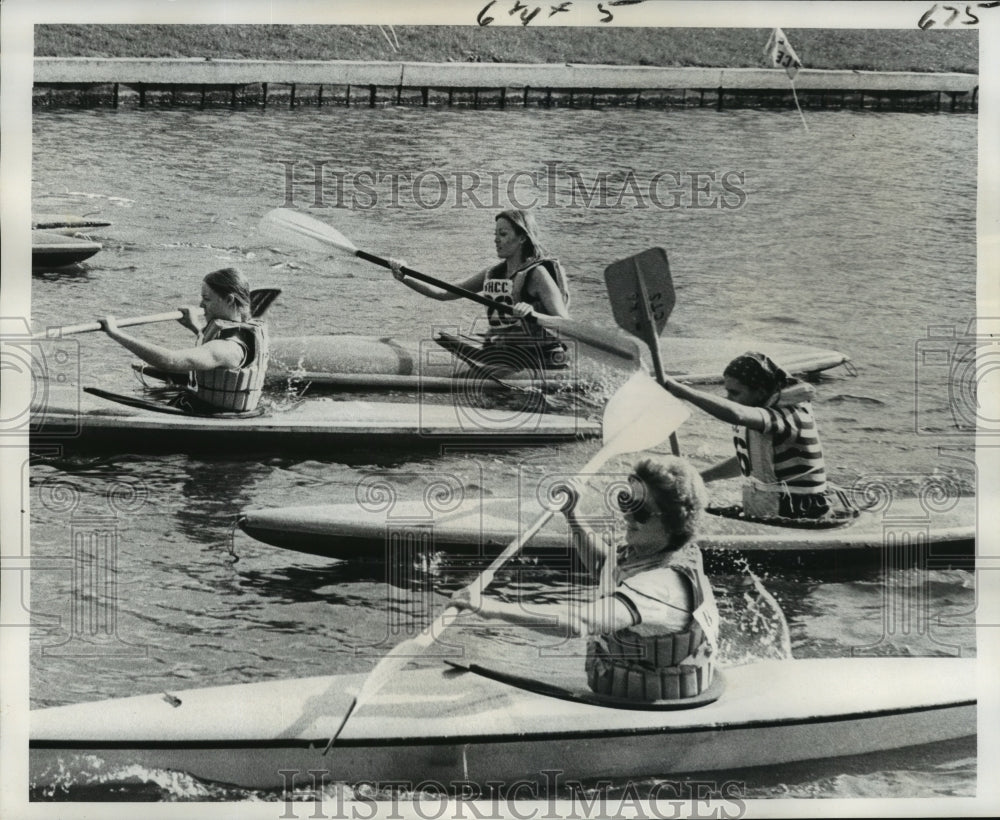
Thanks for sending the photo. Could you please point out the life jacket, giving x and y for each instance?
(627, 664)
(783, 471)
(523, 344)
(510, 290)
(236, 389)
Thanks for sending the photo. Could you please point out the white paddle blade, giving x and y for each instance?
(303, 231)
(640, 415)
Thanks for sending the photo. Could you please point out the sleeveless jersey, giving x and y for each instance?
(511, 290)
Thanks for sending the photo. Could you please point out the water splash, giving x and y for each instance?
(754, 626)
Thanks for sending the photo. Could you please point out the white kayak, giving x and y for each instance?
(55, 250)
(454, 726)
(485, 526)
(370, 362)
(322, 426)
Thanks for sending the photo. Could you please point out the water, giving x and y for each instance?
(857, 235)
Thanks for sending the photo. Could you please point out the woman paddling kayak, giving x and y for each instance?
(777, 443)
(653, 627)
(228, 363)
(529, 281)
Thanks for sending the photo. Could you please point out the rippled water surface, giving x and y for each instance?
(857, 235)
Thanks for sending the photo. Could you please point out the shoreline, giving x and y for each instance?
(206, 81)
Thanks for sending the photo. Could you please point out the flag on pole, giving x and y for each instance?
(782, 54)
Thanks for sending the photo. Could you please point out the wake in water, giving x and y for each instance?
(753, 625)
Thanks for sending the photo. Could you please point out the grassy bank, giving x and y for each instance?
(865, 50)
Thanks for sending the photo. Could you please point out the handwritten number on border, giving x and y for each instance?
(931, 17)
(528, 13)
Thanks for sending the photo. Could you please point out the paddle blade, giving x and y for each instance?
(261, 299)
(635, 282)
(640, 415)
(296, 229)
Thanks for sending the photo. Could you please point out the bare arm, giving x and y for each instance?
(217, 353)
(593, 550)
(723, 409)
(543, 288)
(603, 615)
(473, 283)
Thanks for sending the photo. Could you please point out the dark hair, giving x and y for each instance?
(230, 284)
(758, 372)
(680, 494)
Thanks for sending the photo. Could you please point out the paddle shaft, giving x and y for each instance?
(652, 339)
(88, 327)
(588, 335)
(431, 280)
(291, 225)
(396, 658)
(261, 300)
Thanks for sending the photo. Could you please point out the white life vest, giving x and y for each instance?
(236, 389)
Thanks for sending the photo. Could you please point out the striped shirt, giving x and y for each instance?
(786, 454)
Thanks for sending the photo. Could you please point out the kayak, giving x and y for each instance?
(485, 526)
(54, 250)
(374, 362)
(323, 426)
(474, 725)
(63, 223)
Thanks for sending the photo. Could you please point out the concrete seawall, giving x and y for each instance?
(235, 82)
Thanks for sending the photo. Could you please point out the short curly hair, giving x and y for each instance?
(680, 495)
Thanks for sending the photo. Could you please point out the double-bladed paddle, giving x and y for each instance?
(642, 299)
(260, 300)
(295, 227)
(638, 416)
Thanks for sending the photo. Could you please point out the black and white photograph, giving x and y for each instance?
(494, 408)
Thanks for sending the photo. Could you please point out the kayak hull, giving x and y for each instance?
(452, 727)
(372, 362)
(905, 531)
(54, 250)
(65, 222)
(321, 426)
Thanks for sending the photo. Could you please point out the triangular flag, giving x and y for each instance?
(782, 54)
